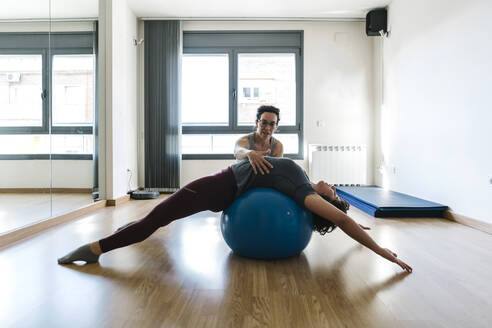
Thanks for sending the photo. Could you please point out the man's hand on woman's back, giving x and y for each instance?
(258, 161)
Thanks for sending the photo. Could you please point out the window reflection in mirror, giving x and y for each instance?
(47, 110)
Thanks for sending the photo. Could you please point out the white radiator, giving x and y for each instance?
(338, 165)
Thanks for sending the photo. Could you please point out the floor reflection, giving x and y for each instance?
(198, 250)
(20, 209)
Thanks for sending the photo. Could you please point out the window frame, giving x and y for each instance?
(48, 45)
(213, 42)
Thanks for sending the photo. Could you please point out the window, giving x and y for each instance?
(205, 89)
(20, 90)
(73, 90)
(222, 143)
(226, 76)
(37, 144)
(275, 74)
(47, 95)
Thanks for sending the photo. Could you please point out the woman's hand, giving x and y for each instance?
(391, 256)
(316, 204)
(258, 161)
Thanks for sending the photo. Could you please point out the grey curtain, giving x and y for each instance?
(162, 121)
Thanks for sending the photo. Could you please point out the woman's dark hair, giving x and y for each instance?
(322, 225)
(270, 109)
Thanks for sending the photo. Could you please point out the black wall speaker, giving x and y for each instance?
(376, 20)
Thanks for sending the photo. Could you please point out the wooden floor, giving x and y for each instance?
(185, 276)
(21, 209)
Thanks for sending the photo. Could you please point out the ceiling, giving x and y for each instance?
(42, 9)
(272, 9)
(254, 8)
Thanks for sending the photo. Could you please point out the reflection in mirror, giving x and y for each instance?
(73, 99)
(25, 166)
(47, 109)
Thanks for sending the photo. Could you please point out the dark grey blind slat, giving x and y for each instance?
(72, 40)
(162, 83)
(199, 39)
(16, 40)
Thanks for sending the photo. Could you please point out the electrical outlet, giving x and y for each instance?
(129, 174)
(394, 169)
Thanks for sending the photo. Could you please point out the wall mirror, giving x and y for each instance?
(48, 84)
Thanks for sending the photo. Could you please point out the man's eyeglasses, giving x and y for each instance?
(264, 123)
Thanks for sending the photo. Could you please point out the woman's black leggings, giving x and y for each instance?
(214, 193)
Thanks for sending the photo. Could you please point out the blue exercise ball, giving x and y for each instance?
(265, 224)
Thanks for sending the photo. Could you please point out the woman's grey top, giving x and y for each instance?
(286, 177)
(252, 143)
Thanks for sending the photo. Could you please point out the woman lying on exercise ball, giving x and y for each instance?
(217, 192)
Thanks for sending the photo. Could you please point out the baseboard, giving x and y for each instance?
(45, 190)
(13, 236)
(117, 201)
(473, 223)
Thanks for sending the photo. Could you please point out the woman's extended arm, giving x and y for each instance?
(241, 148)
(255, 157)
(318, 205)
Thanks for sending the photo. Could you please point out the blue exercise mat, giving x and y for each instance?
(386, 203)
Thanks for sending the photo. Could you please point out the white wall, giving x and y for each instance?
(338, 62)
(123, 93)
(438, 110)
(38, 173)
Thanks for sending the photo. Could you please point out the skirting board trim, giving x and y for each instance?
(472, 223)
(117, 201)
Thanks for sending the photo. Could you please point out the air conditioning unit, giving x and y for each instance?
(13, 77)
